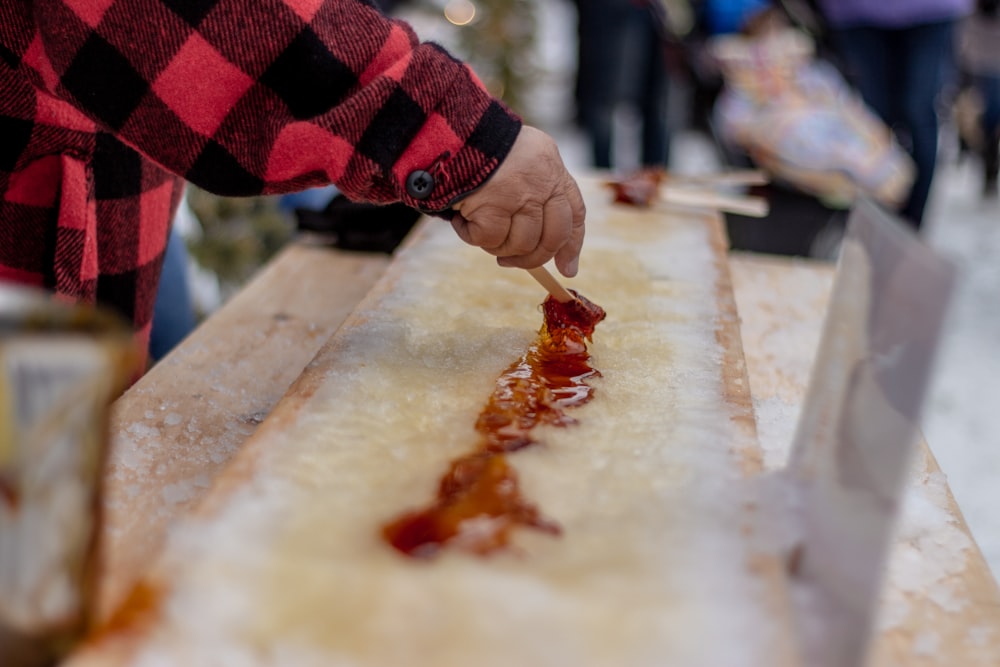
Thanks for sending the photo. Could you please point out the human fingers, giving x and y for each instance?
(524, 232)
(553, 225)
(482, 230)
(568, 256)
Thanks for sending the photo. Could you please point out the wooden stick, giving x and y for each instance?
(751, 206)
(737, 177)
(546, 280)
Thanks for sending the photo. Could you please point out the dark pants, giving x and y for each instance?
(989, 90)
(173, 314)
(621, 60)
(900, 74)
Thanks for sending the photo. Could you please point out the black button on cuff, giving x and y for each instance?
(419, 184)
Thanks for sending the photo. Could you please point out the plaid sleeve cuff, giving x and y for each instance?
(453, 177)
(438, 136)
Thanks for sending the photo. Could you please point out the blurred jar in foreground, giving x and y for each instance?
(60, 368)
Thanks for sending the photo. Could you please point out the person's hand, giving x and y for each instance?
(529, 211)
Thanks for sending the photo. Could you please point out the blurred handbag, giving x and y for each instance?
(796, 117)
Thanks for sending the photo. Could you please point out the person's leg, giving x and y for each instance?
(874, 62)
(865, 56)
(925, 57)
(601, 32)
(989, 91)
(653, 95)
(173, 314)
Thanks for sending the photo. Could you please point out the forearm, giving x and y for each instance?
(265, 98)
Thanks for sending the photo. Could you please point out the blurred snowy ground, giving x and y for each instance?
(962, 415)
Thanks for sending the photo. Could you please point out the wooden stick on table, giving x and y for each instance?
(546, 280)
(737, 177)
(744, 205)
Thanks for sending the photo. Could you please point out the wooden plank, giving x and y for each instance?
(737, 388)
(941, 605)
(182, 422)
(646, 486)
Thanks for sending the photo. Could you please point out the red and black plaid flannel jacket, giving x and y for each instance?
(106, 106)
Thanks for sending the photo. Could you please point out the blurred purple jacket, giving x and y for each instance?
(892, 13)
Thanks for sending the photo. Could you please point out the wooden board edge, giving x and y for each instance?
(736, 391)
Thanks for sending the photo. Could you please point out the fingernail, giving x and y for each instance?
(572, 268)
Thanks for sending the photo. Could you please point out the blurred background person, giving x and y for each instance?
(621, 62)
(899, 54)
(979, 58)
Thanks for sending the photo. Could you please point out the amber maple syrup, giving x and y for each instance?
(479, 501)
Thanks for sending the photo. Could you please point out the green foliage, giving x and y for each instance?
(239, 234)
(500, 46)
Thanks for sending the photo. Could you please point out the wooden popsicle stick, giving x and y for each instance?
(750, 206)
(546, 280)
(738, 177)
